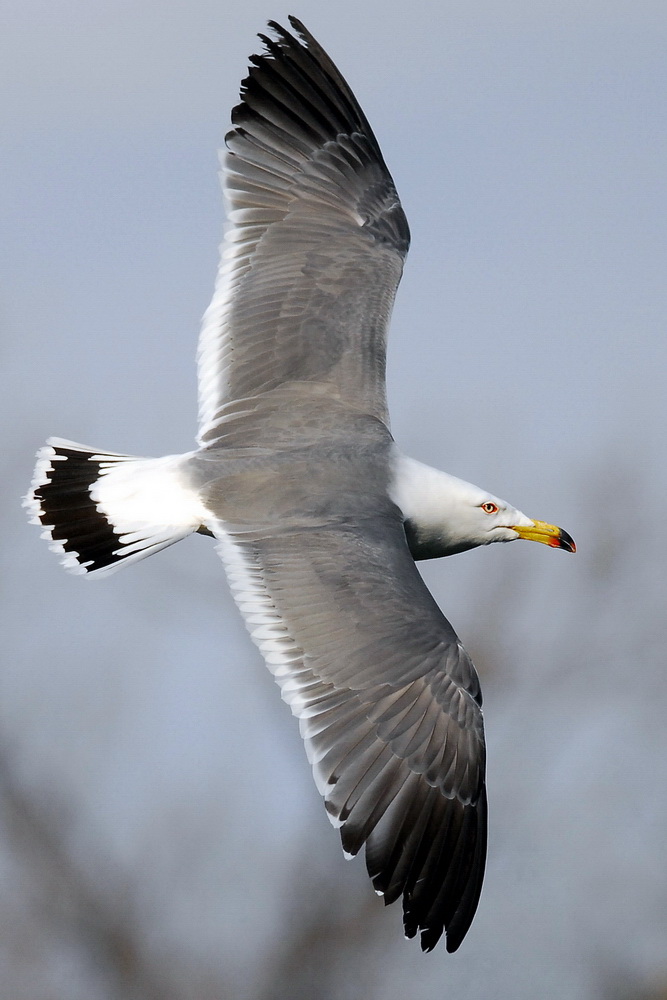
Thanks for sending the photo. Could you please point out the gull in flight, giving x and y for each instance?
(318, 516)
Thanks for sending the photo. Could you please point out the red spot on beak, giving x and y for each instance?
(563, 541)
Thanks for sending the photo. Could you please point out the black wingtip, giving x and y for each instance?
(300, 28)
(284, 34)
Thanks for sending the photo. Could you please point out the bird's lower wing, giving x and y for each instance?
(388, 702)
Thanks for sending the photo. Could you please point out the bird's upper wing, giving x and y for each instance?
(315, 250)
(388, 702)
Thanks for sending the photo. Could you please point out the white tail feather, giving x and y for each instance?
(102, 510)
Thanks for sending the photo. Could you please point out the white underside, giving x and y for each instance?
(137, 493)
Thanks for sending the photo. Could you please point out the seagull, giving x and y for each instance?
(318, 516)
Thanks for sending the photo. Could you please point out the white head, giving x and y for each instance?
(445, 515)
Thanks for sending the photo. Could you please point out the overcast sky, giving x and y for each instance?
(528, 350)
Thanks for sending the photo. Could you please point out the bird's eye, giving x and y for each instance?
(489, 507)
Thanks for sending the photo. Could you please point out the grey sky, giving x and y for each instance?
(528, 354)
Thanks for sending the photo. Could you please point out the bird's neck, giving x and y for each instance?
(428, 499)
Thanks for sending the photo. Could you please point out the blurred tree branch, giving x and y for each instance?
(107, 933)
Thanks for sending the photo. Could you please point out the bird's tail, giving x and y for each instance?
(101, 510)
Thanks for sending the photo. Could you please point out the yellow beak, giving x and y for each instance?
(549, 534)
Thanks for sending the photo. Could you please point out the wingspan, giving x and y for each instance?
(315, 251)
(388, 700)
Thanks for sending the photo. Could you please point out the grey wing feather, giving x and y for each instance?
(388, 701)
(317, 240)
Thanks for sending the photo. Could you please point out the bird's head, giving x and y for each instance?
(445, 515)
(485, 519)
